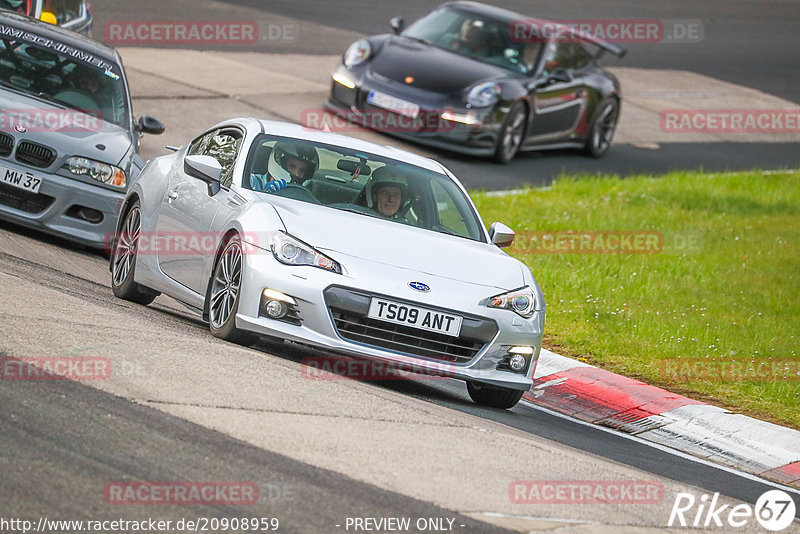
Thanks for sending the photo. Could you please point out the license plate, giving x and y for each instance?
(415, 317)
(21, 179)
(409, 109)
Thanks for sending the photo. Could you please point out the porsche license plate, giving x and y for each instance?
(21, 179)
(402, 107)
(415, 317)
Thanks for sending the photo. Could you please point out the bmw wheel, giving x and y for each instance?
(123, 260)
(494, 397)
(511, 133)
(602, 131)
(223, 294)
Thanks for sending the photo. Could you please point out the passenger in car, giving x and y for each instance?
(386, 192)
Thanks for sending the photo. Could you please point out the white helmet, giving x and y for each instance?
(277, 166)
(384, 176)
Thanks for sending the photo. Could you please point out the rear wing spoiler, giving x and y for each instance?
(604, 46)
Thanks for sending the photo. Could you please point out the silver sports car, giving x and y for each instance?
(273, 229)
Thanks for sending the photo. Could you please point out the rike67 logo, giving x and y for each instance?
(774, 511)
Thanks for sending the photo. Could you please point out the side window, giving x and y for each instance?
(222, 145)
(64, 10)
(567, 56)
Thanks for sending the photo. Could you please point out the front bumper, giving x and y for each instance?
(56, 208)
(430, 128)
(323, 297)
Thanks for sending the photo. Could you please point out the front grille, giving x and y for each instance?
(6, 144)
(405, 339)
(350, 309)
(35, 155)
(24, 200)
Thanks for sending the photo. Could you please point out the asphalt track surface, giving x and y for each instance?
(83, 438)
(752, 43)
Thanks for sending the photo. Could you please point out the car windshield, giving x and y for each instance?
(19, 6)
(480, 38)
(62, 75)
(361, 183)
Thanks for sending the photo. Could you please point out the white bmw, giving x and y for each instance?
(268, 228)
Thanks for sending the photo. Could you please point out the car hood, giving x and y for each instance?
(433, 69)
(68, 131)
(337, 232)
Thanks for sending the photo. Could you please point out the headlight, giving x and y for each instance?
(102, 172)
(483, 94)
(522, 301)
(291, 251)
(357, 53)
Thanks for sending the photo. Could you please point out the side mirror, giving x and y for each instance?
(559, 76)
(149, 125)
(501, 235)
(204, 168)
(398, 24)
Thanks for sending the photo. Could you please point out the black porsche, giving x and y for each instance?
(481, 80)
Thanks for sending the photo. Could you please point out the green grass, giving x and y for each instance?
(725, 287)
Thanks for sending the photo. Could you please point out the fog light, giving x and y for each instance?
(517, 362)
(276, 309)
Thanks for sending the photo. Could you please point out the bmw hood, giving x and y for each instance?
(68, 131)
(340, 234)
(433, 69)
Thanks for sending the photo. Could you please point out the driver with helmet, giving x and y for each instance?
(289, 163)
(386, 192)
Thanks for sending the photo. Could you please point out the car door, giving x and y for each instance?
(559, 104)
(187, 212)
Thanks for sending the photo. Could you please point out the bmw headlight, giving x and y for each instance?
(483, 94)
(522, 301)
(102, 172)
(291, 251)
(357, 54)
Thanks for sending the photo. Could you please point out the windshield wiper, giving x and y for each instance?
(420, 40)
(28, 92)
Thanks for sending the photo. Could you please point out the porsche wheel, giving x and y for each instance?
(511, 133)
(602, 131)
(494, 397)
(223, 294)
(123, 262)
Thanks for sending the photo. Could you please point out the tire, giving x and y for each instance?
(123, 260)
(494, 397)
(222, 302)
(512, 133)
(603, 128)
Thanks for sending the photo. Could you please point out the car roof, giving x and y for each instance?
(61, 35)
(310, 134)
